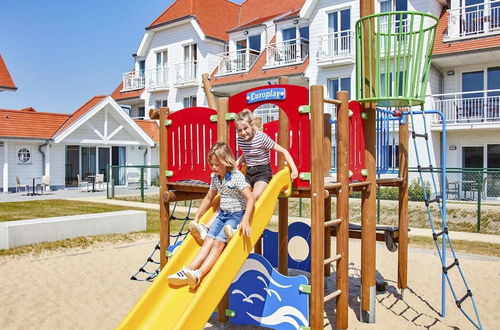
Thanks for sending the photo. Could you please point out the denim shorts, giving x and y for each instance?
(224, 218)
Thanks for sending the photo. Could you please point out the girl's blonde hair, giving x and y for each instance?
(221, 151)
(246, 115)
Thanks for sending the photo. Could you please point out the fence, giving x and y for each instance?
(132, 181)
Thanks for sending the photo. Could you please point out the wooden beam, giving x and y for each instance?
(207, 88)
(317, 208)
(283, 135)
(164, 206)
(403, 206)
(222, 129)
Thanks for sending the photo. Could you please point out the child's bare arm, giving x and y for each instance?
(289, 160)
(245, 221)
(240, 160)
(205, 203)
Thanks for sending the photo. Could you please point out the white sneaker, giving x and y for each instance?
(193, 278)
(229, 231)
(198, 230)
(179, 278)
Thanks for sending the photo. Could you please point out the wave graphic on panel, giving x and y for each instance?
(259, 295)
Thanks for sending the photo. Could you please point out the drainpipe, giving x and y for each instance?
(46, 144)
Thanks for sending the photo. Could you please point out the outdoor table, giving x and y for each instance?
(33, 193)
(467, 184)
(93, 182)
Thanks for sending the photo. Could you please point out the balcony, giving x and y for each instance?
(186, 74)
(237, 62)
(474, 21)
(288, 52)
(478, 107)
(336, 48)
(133, 80)
(157, 79)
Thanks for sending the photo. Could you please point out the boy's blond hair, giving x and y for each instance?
(221, 151)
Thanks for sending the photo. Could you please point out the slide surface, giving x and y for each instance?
(164, 306)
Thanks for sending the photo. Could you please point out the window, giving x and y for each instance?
(24, 155)
(338, 84)
(189, 101)
(339, 27)
(161, 72)
(254, 42)
(190, 58)
(141, 112)
(393, 5)
(161, 104)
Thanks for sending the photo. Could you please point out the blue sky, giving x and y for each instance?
(60, 53)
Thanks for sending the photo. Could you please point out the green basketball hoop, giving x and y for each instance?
(393, 54)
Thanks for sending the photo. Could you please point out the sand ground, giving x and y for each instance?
(91, 289)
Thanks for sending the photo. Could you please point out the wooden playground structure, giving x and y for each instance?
(306, 130)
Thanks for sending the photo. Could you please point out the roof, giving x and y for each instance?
(205, 12)
(82, 110)
(119, 95)
(30, 124)
(150, 127)
(441, 47)
(6, 81)
(252, 23)
(252, 9)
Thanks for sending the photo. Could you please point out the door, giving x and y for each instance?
(493, 178)
(88, 162)
(161, 68)
(289, 44)
(190, 58)
(472, 103)
(472, 158)
(241, 46)
(103, 161)
(72, 166)
(118, 159)
(339, 28)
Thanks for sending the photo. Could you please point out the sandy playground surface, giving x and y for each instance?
(91, 289)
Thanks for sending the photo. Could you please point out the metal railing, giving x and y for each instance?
(267, 113)
(474, 20)
(186, 72)
(238, 61)
(287, 52)
(133, 80)
(468, 107)
(157, 77)
(334, 46)
(132, 181)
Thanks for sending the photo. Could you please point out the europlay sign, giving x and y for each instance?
(268, 94)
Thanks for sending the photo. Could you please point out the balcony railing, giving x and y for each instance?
(474, 20)
(335, 46)
(133, 80)
(157, 78)
(186, 72)
(237, 61)
(468, 107)
(287, 52)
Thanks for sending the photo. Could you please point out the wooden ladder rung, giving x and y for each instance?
(332, 222)
(332, 259)
(332, 295)
(336, 102)
(359, 184)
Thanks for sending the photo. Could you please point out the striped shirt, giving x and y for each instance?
(256, 151)
(229, 189)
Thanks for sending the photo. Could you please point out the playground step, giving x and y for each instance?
(332, 295)
(416, 135)
(332, 259)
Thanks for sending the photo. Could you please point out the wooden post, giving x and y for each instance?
(343, 209)
(403, 205)
(327, 162)
(222, 136)
(283, 140)
(164, 205)
(207, 87)
(369, 195)
(222, 129)
(317, 208)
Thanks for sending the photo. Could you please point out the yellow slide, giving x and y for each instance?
(172, 307)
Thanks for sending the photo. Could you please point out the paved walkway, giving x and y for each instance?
(423, 232)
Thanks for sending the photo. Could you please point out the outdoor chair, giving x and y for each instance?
(20, 185)
(99, 181)
(82, 183)
(452, 188)
(45, 183)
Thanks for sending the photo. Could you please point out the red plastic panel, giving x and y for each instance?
(356, 142)
(299, 125)
(190, 137)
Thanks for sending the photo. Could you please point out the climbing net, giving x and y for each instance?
(151, 267)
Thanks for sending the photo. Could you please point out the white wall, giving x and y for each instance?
(471, 138)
